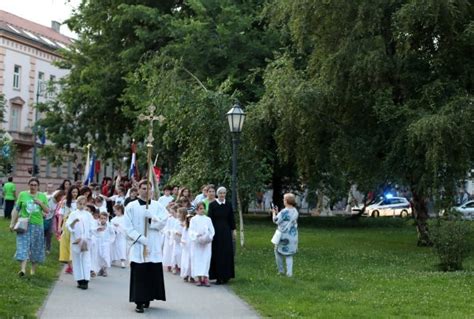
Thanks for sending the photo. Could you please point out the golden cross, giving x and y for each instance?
(151, 118)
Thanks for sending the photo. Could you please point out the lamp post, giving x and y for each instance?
(236, 117)
(39, 91)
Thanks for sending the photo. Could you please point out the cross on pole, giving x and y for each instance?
(150, 117)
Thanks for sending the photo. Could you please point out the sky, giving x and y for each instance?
(42, 11)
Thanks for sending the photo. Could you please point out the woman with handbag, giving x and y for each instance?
(27, 221)
(285, 238)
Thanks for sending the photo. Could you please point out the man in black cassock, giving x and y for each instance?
(143, 225)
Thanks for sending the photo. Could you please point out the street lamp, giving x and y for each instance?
(39, 91)
(236, 117)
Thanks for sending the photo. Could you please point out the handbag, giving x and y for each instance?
(276, 237)
(21, 225)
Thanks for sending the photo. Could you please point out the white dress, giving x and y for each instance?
(104, 243)
(94, 248)
(136, 225)
(119, 246)
(168, 242)
(185, 254)
(176, 237)
(81, 234)
(201, 232)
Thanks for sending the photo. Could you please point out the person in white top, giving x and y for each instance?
(80, 224)
(168, 240)
(201, 233)
(105, 236)
(179, 217)
(119, 247)
(186, 250)
(144, 219)
(166, 198)
(201, 197)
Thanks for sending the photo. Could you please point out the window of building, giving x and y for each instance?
(15, 117)
(51, 91)
(16, 77)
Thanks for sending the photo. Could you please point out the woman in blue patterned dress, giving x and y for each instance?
(30, 204)
(287, 222)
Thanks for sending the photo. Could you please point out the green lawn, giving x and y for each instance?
(23, 297)
(345, 269)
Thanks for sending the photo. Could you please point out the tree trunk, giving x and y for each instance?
(420, 212)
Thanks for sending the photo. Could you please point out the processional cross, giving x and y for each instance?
(150, 117)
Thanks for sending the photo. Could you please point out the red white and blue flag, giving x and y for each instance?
(133, 164)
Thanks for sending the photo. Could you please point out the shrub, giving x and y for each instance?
(451, 243)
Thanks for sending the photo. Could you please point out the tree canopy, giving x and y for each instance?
(336, 92)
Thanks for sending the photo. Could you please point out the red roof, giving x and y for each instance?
(33, 27)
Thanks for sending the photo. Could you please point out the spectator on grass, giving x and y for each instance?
(33, 205)
(287, 244)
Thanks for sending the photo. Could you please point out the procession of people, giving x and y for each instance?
(187, 236)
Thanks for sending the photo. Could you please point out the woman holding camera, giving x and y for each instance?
(31, 207)
(286, 235)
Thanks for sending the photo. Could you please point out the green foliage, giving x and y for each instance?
(346, 272)
(452, 243)
(384, 90)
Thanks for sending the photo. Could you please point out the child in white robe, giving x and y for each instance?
(119, 247)
(179, 217)
(105, 237)
(93, 248)
(80, 224)
(168, 240)
(201, 233)
(186, 251)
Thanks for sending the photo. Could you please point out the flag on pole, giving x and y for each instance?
(90, 174)
(87, 167)
(133, 163)
(154, 179)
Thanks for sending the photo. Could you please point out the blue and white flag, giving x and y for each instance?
(133, 163)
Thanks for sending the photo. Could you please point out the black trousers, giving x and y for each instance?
(9, 204)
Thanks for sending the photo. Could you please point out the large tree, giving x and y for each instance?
(383, 90)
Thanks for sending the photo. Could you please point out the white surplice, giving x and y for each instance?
(168, 242)
(185, 254)
(119, 246)
(81, 233)
(200, 228)
(105, 238)
(142, 233)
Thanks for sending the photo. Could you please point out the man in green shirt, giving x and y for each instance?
(9, 193)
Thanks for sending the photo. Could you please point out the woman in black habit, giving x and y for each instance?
(222, 260)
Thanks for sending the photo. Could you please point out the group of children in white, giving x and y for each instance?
(97, 242)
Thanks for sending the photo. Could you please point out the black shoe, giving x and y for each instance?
(218, 282)
(146, 305)
(21, 273)
(139, 308)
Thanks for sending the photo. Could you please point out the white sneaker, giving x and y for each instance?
(122, 264)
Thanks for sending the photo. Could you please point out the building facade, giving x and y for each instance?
(28, 76)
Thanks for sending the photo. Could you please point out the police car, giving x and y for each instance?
(389, 206)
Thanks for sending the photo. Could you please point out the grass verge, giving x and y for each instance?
(345, 269)
(23, 297)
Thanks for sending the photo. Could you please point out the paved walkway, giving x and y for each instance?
(108, 298)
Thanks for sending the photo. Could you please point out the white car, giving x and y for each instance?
(393, 206)
(466, 210)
